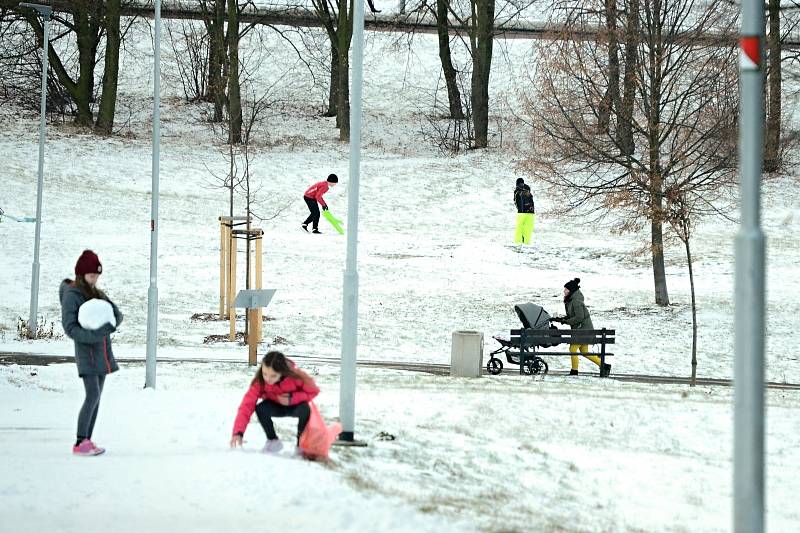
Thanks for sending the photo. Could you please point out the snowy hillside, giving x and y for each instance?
(436, 254)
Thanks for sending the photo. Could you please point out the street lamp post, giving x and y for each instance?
(152, 291)
(347, 378)
(749, 315)
(45, 12)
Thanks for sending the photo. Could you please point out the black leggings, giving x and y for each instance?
(88, 414)
(314, 208)
(267, 410)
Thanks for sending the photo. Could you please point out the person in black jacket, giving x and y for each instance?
(526, 212)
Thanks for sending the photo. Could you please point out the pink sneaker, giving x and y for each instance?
(87, 447)
(98, 448)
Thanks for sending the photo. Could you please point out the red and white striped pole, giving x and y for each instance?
(749, 320)
(750, 53)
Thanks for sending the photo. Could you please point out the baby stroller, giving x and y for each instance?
(532, 316)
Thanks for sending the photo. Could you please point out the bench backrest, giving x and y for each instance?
(556, 336)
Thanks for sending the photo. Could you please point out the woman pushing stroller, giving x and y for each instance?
(577, 317)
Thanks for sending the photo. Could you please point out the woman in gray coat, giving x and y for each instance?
(93, 353)
(578, 318)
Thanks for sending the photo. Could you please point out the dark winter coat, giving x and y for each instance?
(93, 353)
(577, 313)
(524, 199)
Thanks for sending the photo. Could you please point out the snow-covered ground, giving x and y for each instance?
(435, 255)
(494, 454)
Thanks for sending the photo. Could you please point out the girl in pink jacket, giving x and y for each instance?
(284, 390)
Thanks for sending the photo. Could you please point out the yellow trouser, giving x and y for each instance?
(584, 348)
(525, 223)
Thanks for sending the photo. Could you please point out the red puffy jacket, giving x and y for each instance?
(316, 191)
(299, 389)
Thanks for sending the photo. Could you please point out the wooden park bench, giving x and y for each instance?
(528, 345)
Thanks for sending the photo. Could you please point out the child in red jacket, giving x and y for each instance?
(313, 195)
(284, 390)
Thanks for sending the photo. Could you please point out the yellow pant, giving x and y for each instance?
(525, 223)
(584, 348)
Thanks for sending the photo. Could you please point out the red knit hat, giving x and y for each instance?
(88, 263)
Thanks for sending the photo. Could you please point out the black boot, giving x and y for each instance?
(573, 372)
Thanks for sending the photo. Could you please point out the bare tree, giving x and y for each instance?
(79, 26)
(108, 99)
(772, 145)
(241, 182)
(326, 12)
(84, 19)
(234, 88)
(445, 56)
(782, 21)
(449, 136)
(611, 99)
(687, 202)
(213, 14)
(483, 23)
(479, 19)
(191, 51)
(21, 68)
(336, 16)
(683, 121)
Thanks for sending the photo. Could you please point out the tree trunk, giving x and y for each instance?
(659, 273)
(483, 25)
(333, 90)
(87, 39)
(108, 99)
(611, 98)
(344, 32)
(234, 90)
(772, 149)
(656, 58)
(442, 26)
(331, 23)
(215, 26)
(232, 184)
(625, 114)
(693, 381)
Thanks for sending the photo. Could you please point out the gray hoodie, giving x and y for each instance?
(577, 313)
(93, 353)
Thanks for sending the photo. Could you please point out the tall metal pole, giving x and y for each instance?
(347, 390)
(33, 326)
(748, 434)
(152, 292)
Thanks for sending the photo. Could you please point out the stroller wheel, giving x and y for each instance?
(536, 366)
(494, 366)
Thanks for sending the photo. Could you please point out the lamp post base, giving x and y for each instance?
(346, 439)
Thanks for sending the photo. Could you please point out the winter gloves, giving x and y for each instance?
(106, 329)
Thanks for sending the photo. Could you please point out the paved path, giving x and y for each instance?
(9, 358)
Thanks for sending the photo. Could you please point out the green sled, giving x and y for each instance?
(335, 222)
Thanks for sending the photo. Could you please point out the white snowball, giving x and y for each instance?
(95, 313)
